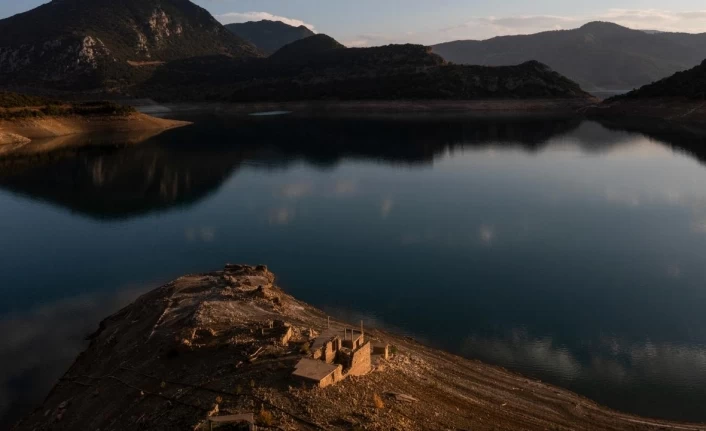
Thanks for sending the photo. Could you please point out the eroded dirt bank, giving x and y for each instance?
(23, 129)
(208, 345)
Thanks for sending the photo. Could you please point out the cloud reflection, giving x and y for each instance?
(345, 188)
(39, 345)
(281, 216)
(296, 190)
(203, 234)
(611, 360)
(386, 207)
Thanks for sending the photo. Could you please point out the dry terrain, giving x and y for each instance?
(203, 346)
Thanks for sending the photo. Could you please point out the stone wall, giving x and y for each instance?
(360, 361)
(330, 350)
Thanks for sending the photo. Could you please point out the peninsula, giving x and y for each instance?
(24, 118)
(231, 348)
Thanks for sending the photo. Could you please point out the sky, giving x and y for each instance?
(379, 22)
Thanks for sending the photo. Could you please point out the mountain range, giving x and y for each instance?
(320, 68)
(87, 44)
(600, 56)
(139, 47)
(269, 36)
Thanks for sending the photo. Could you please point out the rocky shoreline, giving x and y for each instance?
(224, 347)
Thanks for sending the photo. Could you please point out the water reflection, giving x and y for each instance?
(568, 250)
(120, 181)
(114, 177)
(38, 345)
(633, 376)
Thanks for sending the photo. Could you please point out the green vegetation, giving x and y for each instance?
(377, 401)
(17, 100)
(16, 106)
(264, 417)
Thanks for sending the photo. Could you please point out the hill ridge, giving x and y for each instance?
(598, 55)
(84, 44)
(268, 35)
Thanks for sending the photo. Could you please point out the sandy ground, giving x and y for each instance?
(202, 346)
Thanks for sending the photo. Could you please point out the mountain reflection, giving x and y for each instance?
(123, 180)
(117, 178)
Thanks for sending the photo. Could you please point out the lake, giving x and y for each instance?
(567, 250)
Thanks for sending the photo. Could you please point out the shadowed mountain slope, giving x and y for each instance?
(269, 36)
(86, 44)
(599, 55)
(319, 68)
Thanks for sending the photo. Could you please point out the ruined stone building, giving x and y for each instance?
(335, 355)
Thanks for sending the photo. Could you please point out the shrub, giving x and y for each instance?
(379, 404)
(265, 417)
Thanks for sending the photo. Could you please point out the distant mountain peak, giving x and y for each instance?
(600, 56)
(269, 36)
(298, 51)
(601, 24)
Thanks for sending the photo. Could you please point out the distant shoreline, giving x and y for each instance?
(501, 106)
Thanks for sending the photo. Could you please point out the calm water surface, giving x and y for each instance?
(565, 250)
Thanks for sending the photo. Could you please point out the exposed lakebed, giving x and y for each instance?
(558, 248)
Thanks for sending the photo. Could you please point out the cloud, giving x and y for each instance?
(237, 17)
(640, 19)
(486, 27)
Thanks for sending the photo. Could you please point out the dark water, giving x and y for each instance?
(570, 251)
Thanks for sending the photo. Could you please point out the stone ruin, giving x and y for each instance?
(335, 355)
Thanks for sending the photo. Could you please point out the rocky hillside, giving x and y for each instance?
(86, 44)
(319, 68)
(269, 36)
(599, 55)
(223, 347)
